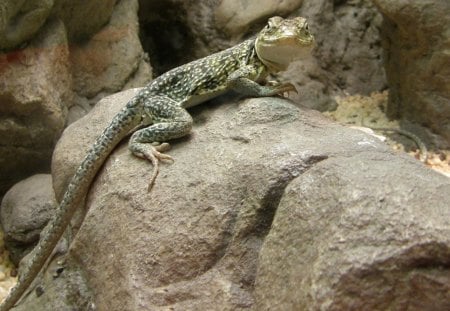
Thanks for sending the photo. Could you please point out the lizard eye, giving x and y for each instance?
(275, 21)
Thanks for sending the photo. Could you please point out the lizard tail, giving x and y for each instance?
(120, 126)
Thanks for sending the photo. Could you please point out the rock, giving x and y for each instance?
(112, 60)
(83, 19)
(25, 210)
(416, 39)
(40, 82)
(365, 232)
(348, 45)
(23, 19)
(20, 20)
(266, 204)
(234, 17)
(35, 88)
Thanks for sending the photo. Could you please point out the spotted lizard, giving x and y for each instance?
(158, 114)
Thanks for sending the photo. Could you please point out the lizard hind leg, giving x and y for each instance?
(153, 153)
(169, 120)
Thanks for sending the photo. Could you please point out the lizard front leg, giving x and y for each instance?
(168, 121)
(244, 79)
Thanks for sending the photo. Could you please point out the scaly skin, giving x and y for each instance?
(159, 109)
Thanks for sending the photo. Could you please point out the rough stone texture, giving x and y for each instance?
(366, 232)
(39, 82)
(416, 39)
(112, 60)
(25, 210)
(267, 204)
(34, 90)
(62, 291)
(83, 18)
(235, 17)
(348, 44)
(21, 19)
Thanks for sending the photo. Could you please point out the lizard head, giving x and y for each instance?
(283, 41)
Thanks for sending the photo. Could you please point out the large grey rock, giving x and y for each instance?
(267, 205)
(416, 39)
(364, 232)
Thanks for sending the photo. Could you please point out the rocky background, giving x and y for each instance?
(282, 208)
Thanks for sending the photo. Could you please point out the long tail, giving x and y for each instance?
(127, 119)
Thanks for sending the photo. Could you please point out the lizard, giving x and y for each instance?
(157, 114)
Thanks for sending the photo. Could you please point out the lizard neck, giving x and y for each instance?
(272, 67)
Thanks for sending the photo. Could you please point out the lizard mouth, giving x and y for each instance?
(279, 52)
(291, 38)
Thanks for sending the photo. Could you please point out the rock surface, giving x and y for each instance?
(112, 60)
(35, 86)
(25, 210)
(349, 50)
(20, 20)
(235, 17)
(83, 18)
(23, 19)
(53, 81)
(266, 205)
(365, 232)
(416, 40)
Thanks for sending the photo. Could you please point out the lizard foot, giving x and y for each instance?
(283, 88)
(154, 154)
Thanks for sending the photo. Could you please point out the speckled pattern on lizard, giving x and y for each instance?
(158, 114)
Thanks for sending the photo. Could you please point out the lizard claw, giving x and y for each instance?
(285, 88)
(154, 154)
(159, 149)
